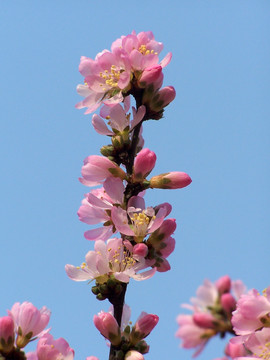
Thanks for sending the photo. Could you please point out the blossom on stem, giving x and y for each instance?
(137, 220)
(108, 327)
(29, 321)
(112, 259)
(50, 349)
(118, 119)
(142, 50)
(105, 79)
(252, 312)
(97, 168)
(192, 335)
(6, 334)
(96, 208)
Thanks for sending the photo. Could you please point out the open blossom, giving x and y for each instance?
(114, 258)
(252, 312)
(97, 168)
(96, 208)
(50, 349)
(137, 220)
(29, 321)
(118, 118)
(142, 50)
(105, 79)
(192, 336)
(257, 345)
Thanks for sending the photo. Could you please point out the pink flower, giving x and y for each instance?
(114, 258)
(29, 321)
(107, 325)
(252, 312)
(105, 78)
(6, 334)
(151, 75)
(143, 221)
(134, 355)
(97, 168)
(171, 180)
(50, 349)
(97, 206)
(142, 50)
(223, 284)
(143, 326)
(144, 163)
(192, 336)
(258, 343)
(118, 119)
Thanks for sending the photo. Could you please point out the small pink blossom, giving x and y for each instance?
(97, 206)
(192, 336)
(118, 118)
(50, 349)
(143, 221)
(114, 258)
(97, 168)
(258, 344)
(252, 312)
(6, 334)
(29, 321)
(105, 78)
(108, 327)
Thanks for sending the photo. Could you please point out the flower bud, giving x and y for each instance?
(140, 249)
(170, 180)
(143, 164)
(144, 325)
(228, 302)
(134, 355)
(235, 348)
(108, 327)
(223, 284)
(162, 98)
(6, 334)
(204, 320)
(150, 75)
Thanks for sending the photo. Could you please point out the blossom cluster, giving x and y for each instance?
(132, 240)
(24, 323)
(225, 307)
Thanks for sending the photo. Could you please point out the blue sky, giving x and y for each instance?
(216, 130)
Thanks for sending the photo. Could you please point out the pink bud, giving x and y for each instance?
(6, 334)
(50, 349)
(134, 355)
(223, 284)
(167, 95)
(228, 302)
(108, 327)
(171, 180)
(140, 249)
(164, 266)
(204, 320)
(91, 358)
(144, 325)
(150, 75)
(144, 164)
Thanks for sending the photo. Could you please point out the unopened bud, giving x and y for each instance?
(170, 180)
(144, 164)
(223, 284)
(204, 320)
(228, 302)
(151, 75)
(6, 334)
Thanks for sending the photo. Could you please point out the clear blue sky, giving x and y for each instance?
(217, 130)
